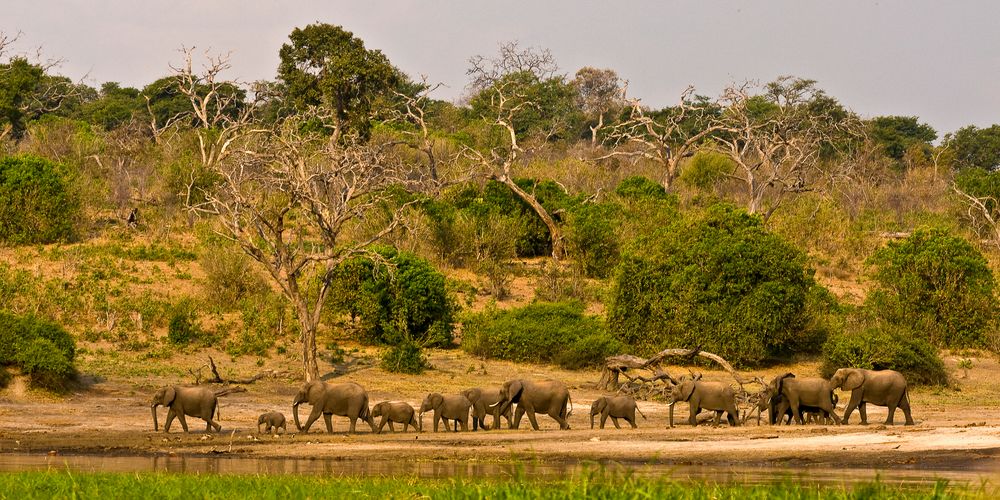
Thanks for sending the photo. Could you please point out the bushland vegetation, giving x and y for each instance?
(343, 202)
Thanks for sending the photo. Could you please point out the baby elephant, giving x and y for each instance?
(447, 407)
(271, 421)
(615, 407)
(395, 412)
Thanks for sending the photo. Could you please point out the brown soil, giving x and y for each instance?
(956, 427)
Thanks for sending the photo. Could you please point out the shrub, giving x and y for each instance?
(36, 202)
(540, 332)
(43, 350)
(638, 187)
(266, 318)
(591, 239)
(229, 276)
(706, 168)
(405, 357)
(408, 301)
(720, 281)
(935, 285)
(885, 348)
(183, 327)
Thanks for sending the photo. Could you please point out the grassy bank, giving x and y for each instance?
(25, 485)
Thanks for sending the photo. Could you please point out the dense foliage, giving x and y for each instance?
(37, 204)
(975, 147)
(41, 349)
(398, 299)
(539, 332)
(885, 348)
(936, 285)
(721, 282)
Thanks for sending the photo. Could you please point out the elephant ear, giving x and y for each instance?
(780, 381)
(436, 400)
(169, 394)
(687, 389)
(514, 390)
(854, 380)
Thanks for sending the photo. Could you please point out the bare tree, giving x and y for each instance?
(777, 140)
(600, 92)
(486, 71)
(983, 212)
(666, 139)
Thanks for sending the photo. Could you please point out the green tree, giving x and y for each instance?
(896, 134)
(37, 204)
(547, 108)
(114, 106)
(937, 285)
(975, 147)
(19, 84)
(722, 282)
(326, 65)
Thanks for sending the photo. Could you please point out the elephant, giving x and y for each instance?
(346, 399)
(272, 421)
(395, 411)
(878, 387)
(198, 402)
(780, 410)
(549, 397)
(615, 407)
(481, 399)
(800, 395)
(447, 407)
(700, 395)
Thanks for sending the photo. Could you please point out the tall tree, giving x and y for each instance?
(975, 147)
(600, 93)
(897, 134)
(325, 65)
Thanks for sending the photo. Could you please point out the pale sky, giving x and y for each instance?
(939, 60)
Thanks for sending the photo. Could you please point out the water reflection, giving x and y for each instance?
(182, 464)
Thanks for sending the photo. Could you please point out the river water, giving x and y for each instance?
(447, 469)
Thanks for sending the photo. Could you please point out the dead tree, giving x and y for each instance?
(983, 211)
(667, 139)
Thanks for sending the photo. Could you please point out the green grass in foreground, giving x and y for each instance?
(62, 484)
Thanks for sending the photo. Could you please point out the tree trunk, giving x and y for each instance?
(558, 247)
(309, 364)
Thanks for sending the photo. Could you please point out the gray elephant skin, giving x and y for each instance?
(346, 399)
(396, 412)
(878, 387)
(199, 402)
(481, 400)
(549, 397)
(615, 407)
(798, 395)
(272, 421)
(447, 407)
(701, 395)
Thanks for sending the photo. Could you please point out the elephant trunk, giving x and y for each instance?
(672, 413)
(295, 413)
(156, 424)
(420, 422)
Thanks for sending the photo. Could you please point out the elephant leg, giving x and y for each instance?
(693, 418)
(718, 418)
(517, 417)
(614, 420)
(328, 418)
(392, 428)
(465, 425)
(892, 411)
(170, 418)
(904, 404)
(209, 424)
(863, 410)
(182, 420)
(381, 425)
(313, 415)
(530, 412)
(631, 421)
(604, 419)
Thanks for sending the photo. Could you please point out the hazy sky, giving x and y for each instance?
(939, 60)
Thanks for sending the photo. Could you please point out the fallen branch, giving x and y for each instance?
(217, 379)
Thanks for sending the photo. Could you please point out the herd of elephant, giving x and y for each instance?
(786, 396)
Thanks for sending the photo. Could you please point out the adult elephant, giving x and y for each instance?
(878, 387)
(701, 395)
(482, 399)
(801, 394)
(550, 397)
(198, 402)
(346, 399)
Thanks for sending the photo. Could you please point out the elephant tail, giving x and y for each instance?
(643, 415)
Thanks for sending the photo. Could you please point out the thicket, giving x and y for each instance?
(37, 203)
(395, 298)
(937, 286)
(720, 281)
(41, 349)
(885, 347)
(540, 332)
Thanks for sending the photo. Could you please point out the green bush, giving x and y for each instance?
(405, 357)
(936, 285)
(41, 349)
(540, 332)
(183, 327)
(410, 300)
(706, 168)
(639, 187)
(229, 276)
(721, 282)
(885, 348)
(36, 202)
(591, 240)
